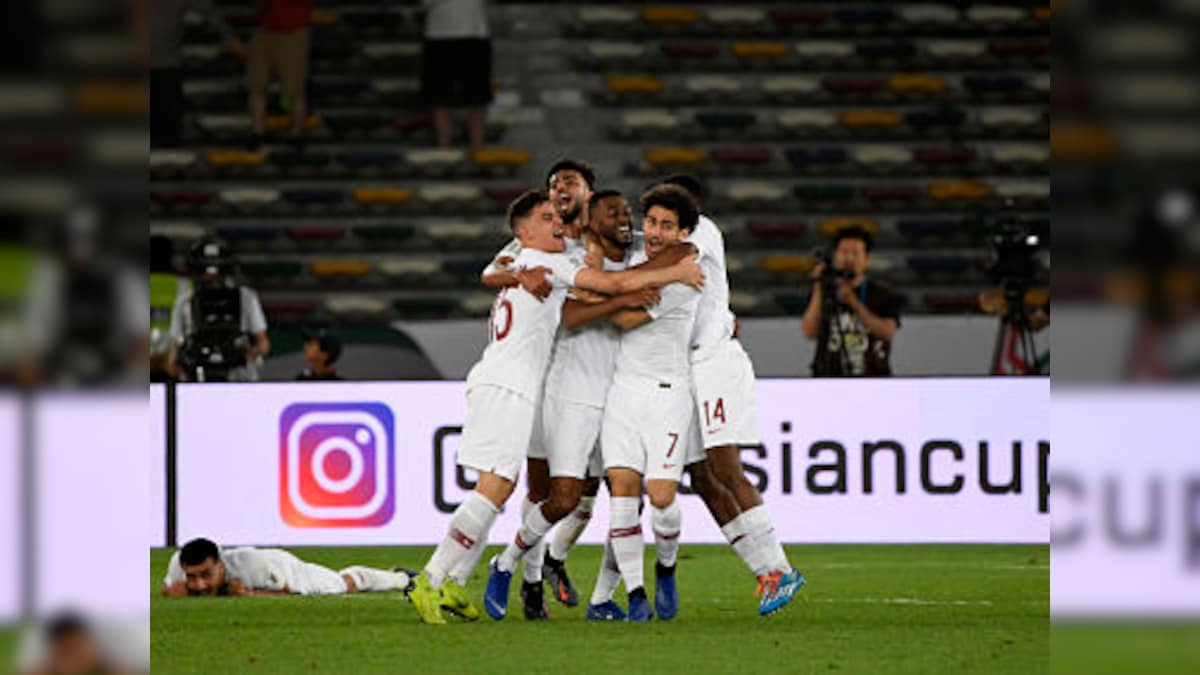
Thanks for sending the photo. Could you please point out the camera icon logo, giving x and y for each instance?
(336, 463)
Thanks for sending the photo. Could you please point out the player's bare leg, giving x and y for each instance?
(565, 535)
(778, 580)
(441, 125)
(625, 531)
(666, 521)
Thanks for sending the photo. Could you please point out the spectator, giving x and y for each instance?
(166, 77)
(854, 332)
(456, 65)
(322, 348)
(281, 44)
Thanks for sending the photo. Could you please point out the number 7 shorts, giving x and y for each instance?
(646, 427)
(497, 431)
(725, 400)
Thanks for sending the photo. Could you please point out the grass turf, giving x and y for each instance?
(866, 609)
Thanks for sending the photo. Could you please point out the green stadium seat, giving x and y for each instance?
(425, 307)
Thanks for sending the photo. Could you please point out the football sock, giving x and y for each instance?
(758, 526)
(534, 557)
(369, 579)
(626, 535)
(533, 527)
(571, 528)
(608, 578)
(744, 545)
(666, 523)
(468, 529)
(462, 571)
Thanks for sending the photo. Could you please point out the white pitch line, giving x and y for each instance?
(919, 602)
(847, 565)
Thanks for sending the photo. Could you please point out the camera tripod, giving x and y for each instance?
(1014, 336)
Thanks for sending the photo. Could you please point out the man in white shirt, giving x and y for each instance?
(504, 387)
(202, 568)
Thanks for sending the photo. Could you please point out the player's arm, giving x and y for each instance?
(499, 273)
(686, 271)
(237, 588)
(628, 319)
(576, 313)
(671, 256)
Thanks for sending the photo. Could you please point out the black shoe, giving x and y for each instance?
(534, 601)
(561, 588)
(412, 579)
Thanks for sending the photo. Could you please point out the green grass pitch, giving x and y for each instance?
(867, 609)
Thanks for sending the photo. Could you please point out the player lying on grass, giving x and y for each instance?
(504, 390)
(202, 568)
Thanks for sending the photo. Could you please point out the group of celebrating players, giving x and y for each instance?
(613, 354)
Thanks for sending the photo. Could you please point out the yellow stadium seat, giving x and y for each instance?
(870, 118)
(323, 17)
(500, 157)
(634, 84)
(112, 98)
(1042, 13)
(785, 263)
(917, 83)
(959, 189)
(831, 226)
(283, 122)
(672, 156)
(1081, 141)
(234, 158)
(382, 195)
(667, 15)
(340, 268)
(759, 49)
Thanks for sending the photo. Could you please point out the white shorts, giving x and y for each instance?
(305, 578)
(570, 436)
(497, 431)
(646, 427)
(725, 400)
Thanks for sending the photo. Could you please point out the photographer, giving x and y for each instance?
(854, 327)
(218, 331)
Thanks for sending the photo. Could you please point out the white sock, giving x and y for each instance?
(744, 545)
(532, 560)
(370, 579)
(626, 535)
(609, 577)
(462, 571)
(534, 526)
(468, 529)
(666, 523)
(758, 525)
(571, 528)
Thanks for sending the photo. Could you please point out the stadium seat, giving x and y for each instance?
(313, 196)
(755, 191)
(501, 158)
(1000, 118)
(737, 19)
(958, 190)
(615, 53)
(881, 156)
(1023, 190)
(271, 269)
(951, 303)
(316, 234)
(831, 226)
(945, 154)
(719, 121)
(783, 263)
(299, 160)
(670, 16)
(417, 269)
(234, 158)
(1042, 13)
(382, 196)
(466, 267)
(284, 123)
(993, 84)
(939, 264)
(451, 196)
(240, 236)
(917, 84)
(956, 49)
(714, 87)
(928, 227)
(396, 90)
(806, 120)
(862, 16)
(356, 306)
(995, 14)
(606, 19)
(759, 50)
(412, 123)
(369, 159)
(1040, 83)
(355, 124)
(1019, 154)
(825, 192)
(638, 123)
(322, 17)
(892, 50)
(184, 232)
(249, 197)
(777, 229)
(478, 304)
(452, 231)
(1019, 48)
(340, 269)
(869, 118)
(743, 156)
(172, 159)
(690, 50)
(434, 161)
(890, 193)
(677, 156)
(503, 194)
(415, 307)
(111, 99)
(633, 84)
(939, 117)
(829, 50)
(789, 88)
(384, 235)
(809, 158)
(791, 17)
(289, 310)
(941, 15)
(852, 85)
(390, 53)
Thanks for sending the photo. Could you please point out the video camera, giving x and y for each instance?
(1015, 246)
(217, 344)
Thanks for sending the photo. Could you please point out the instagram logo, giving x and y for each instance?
(335, 465)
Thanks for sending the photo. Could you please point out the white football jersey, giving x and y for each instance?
(521, 328)
(512, 249)
(714, 320)
(584, 358)
(260, 569)
(659, 349)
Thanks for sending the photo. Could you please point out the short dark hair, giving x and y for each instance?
(66, 623)
(688, 182)
(602, 194)
(853, 232)
(524, 204)
(673, 198)
(584, 169)
(196, 551)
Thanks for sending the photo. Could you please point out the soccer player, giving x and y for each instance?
(504, 388)
(573, 405)
(202, 568)
(723, 378)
